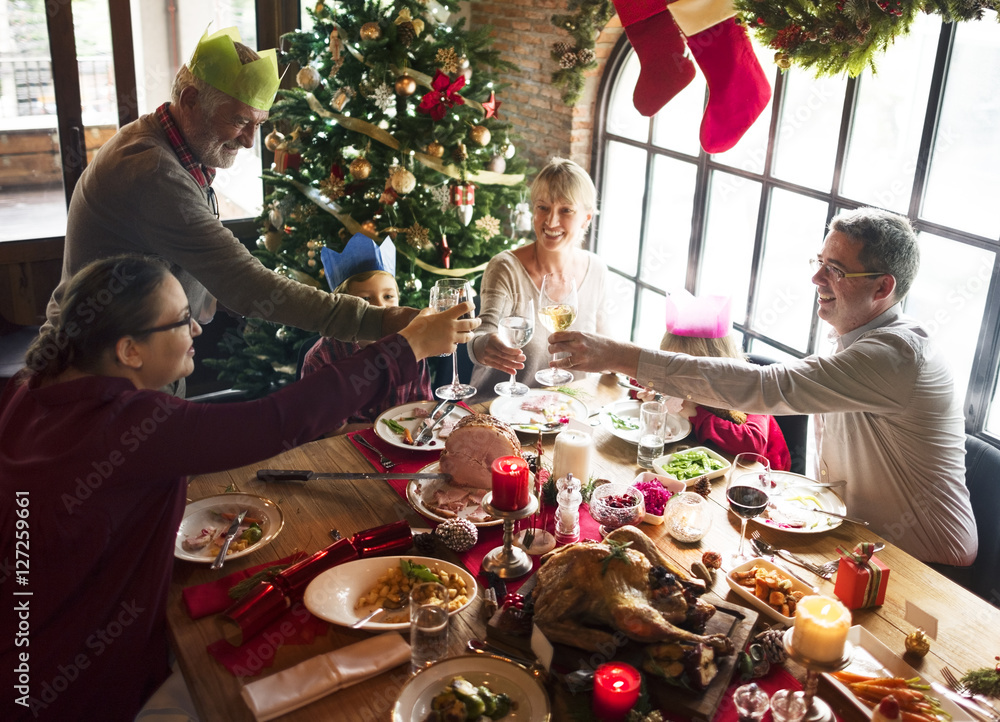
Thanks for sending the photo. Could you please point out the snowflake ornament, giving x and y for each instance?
(384, 97)
(442, 196)
(488, 226)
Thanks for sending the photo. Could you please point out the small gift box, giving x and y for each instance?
(862, 577)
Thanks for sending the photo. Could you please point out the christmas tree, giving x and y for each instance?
(393, 130)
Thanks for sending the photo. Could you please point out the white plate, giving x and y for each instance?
(201, 514)
(333, 594)
(414, 701)
(661, 461)
(677, 426)
(559, 406)
(793, 499)
(748, 595)
(873, 658)
(404, 415)
(420, 494)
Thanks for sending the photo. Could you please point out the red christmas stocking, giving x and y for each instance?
(738, 90)
(664, 69)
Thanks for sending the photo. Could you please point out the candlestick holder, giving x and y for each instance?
(508, 561)
(816, 709)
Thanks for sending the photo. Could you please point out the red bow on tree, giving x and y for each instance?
(443, 96)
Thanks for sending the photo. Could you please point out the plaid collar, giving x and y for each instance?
(202, 173)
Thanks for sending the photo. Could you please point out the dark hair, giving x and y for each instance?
(888, 244)
(104, 301)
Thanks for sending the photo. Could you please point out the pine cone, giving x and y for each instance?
(586, 56)
(567, 61)
(703, 487)
(774, 647)
(460, 153)
(459, 535)
(561, 49)
(424, 543)
(406, 34)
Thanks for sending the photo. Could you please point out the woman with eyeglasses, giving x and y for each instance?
(93, 477)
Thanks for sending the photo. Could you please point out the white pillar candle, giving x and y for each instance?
(821, 626)
(572, 454)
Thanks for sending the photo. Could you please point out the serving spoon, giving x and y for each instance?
(387, 605)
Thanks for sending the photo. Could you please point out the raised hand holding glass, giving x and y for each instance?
(557, 308)
(516, 328)
(449, 292)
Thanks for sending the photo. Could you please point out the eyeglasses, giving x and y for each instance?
(186, 321)
(213, 202)
(817, 265)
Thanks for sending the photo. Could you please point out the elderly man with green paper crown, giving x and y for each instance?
(149, 191)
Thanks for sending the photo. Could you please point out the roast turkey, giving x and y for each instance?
(469, 451)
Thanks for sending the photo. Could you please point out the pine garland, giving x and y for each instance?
(584, 23)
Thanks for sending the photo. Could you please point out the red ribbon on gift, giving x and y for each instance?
(862, 556)
(444, 95)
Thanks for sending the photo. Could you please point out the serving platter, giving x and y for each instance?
(748, 596)
(422, 493)
(206, 514)
(626, 427)
(411, 416)
(538, 408)
(792, 501)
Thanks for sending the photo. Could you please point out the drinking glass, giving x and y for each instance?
(652, 432)
(445, 294)
(747, 492)
(428, 624)
(516, 329)
(557, 307)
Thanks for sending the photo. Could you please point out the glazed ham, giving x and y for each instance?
(470, 449)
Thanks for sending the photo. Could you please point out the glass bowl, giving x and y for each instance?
(615, 505)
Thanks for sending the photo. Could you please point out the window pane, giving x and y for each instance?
(785, 294)
(729, 234)
(652, 319)
(948, 297)
(751, 151)
(961, 184)
(761, 348)
(623, 118)
(676, 126)
(888, 120)
(619, 300)
(622, 192)
(809, 128)
(668, 232)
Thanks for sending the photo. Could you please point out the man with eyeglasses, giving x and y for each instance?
(149, 191)
(892, 426)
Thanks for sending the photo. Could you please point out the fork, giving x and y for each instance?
(825, 570)
(384, 460)
(956, 684)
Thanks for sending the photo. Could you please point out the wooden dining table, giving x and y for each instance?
(967, 635)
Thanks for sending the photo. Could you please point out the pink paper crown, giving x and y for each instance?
(701, 317)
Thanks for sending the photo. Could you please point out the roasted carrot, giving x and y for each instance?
(917, 717)
(877, 692)
(848, 677)
(407, 436)
(885, 681)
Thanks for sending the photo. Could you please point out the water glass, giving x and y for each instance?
(652, 431)
(428, 624)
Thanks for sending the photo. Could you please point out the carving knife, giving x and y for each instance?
(301, 476)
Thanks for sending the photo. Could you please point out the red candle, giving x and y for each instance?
(510, 483)
(616, 690)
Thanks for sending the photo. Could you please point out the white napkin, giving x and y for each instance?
(306, 682)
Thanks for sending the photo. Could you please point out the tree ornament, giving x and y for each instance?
(522, 217)
(465, 68)
(508, 149)
(480, 135)
(491, 106)
(407, 27)
(435, 149)
(311, 262)
(332, 187)
(412, 284)
(442, 96)
(308, 78)
(458, 534)
(417, 236)
(783, 60)
(445, 252)
(389, 195)
(371, 31)
(369, 228)
(917, 643)
(383, 97)
(488, 226)
(320, 7)
(272, 241)
(406, 86)
(283, 334)
(402, 180)
(447, 60)
(442, 196)
(273, 140)
(360, 168)
(341, 98)
(275, 218)
(463, 197)
(461, 154)
(497, 164)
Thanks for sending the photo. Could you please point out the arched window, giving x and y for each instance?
(921, 138)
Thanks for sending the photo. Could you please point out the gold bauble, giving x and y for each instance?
(435, 149)
(479, 134)
(783, 60)
(360, 168)
(371, 31)
(273, 140)
(369, 227)
(406, 86)
(272, 241)
(917, 643)
(402, 181)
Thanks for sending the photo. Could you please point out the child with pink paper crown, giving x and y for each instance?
(368, 271)
(700, 327)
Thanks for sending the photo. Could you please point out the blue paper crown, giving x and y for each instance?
(359, 255)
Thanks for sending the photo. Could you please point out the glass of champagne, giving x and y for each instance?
(516, 329)
(748, 492)
(447, 293)
(557, 306)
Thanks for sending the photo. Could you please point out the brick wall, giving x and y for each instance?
(524, 35)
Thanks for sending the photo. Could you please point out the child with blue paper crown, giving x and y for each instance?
(700, 327)
(366, 270)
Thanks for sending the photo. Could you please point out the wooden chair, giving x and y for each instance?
(982, 476)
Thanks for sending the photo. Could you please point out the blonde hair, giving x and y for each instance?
(724, 347)
(361, 278)
(564, 180)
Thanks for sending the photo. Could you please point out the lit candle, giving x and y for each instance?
(616, 690)
(572, 454)
(510, 483)
(821, 627)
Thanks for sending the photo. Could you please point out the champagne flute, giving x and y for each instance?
(747, 492)
(516, 329)
(557, 306)
(449, 292)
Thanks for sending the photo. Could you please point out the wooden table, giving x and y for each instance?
(967, 636)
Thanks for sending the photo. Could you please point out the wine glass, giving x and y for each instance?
(557, 306)
(447, 293)
(516, 329)
(747, 492)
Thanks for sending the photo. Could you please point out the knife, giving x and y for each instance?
(966, 704)
(304, 475)
(230, 535)
(428, 425)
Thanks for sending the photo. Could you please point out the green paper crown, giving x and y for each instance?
(215, 61)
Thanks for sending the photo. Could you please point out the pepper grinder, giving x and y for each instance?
(568, 514)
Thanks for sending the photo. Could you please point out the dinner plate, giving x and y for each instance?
(747, 594)
(531, 703)
(661, 461)
(203, 514)
(791, 502)
(421, 494)
(543, 406)
(627, 412)
(403, 414)
(333, 594)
